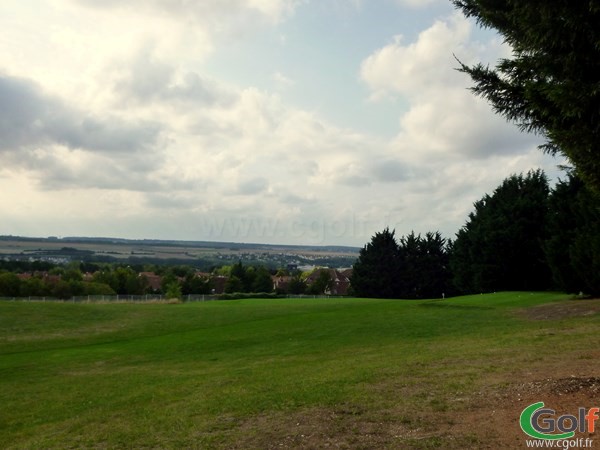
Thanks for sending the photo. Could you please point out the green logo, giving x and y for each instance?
(540, 423)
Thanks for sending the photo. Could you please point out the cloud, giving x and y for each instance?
(146, 79)
(119, 111)
(417, 3)
(252, 186)
(281, 81)
(30, 118)
(444, 119)
(414, 68)
(218, 15)
(390, 171)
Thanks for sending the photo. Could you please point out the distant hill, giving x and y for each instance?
(202, 254)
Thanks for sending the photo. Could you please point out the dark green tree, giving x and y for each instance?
(234, 285)
(322, 284)
(297, 285)
(551, 85)
(573, 245)
(10, 285)
(193, 284)
(376, 272)
(245, 275)
(33, 287)
(262, 280)
(501, 245)
(423, 270)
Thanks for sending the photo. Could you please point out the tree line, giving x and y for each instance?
(524, 236)
(44, 279)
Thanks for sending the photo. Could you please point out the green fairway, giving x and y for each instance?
(235, 374)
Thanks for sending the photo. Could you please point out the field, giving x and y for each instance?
(196, 253)
(324, 373)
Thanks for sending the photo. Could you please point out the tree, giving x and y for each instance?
(424, 268)
(234, 285)
(10, 285)
(262, 281)
(375, 273)
(501, 245)
(193, 284)
(297, 285)
(173, 291)
(414, 267)
(551, 85)
(321, 284)
(573, 245)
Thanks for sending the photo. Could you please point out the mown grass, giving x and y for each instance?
(195, 375)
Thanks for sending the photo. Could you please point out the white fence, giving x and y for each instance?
(110, 298)
(149, 298)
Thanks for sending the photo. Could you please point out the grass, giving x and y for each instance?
(217, 374)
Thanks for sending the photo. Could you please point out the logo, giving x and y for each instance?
(542, 423)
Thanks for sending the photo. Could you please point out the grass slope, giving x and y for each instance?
(224, 374)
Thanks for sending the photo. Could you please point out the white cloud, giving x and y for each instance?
(462, 149)
(215, 15)
(444, 117)
(417, 3)
(414, 68)
(281, 81)
(130, 121)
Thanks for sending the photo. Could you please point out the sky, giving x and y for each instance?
(311, 122)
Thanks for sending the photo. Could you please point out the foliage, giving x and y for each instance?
(262, 281)
(416, 267)
(551, 85)
(122, 280)
(10, 285)
(234, 284)
(193, 284)
(297, 285)
(173, 291)
(424, 266)
(573, 245)
(375, 273)
(321, 284)
(501, 245)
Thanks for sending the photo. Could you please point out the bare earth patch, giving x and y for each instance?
(488, 419)
(563, 310)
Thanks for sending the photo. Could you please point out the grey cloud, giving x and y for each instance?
(293, 199)
(366, 173)
(164, 201)
(252, 186)
(30, 118)
(348, 179)
(501, 139)
(53, 173)
(148, 79)
(389, 171)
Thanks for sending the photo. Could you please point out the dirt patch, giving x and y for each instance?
(498, 423)
(485, 418)
(488, 419)
(562, 310)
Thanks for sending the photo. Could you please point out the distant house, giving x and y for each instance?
(88, 277)
(281, 283)
(339, 281)
(218, 283)
(154, 280)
